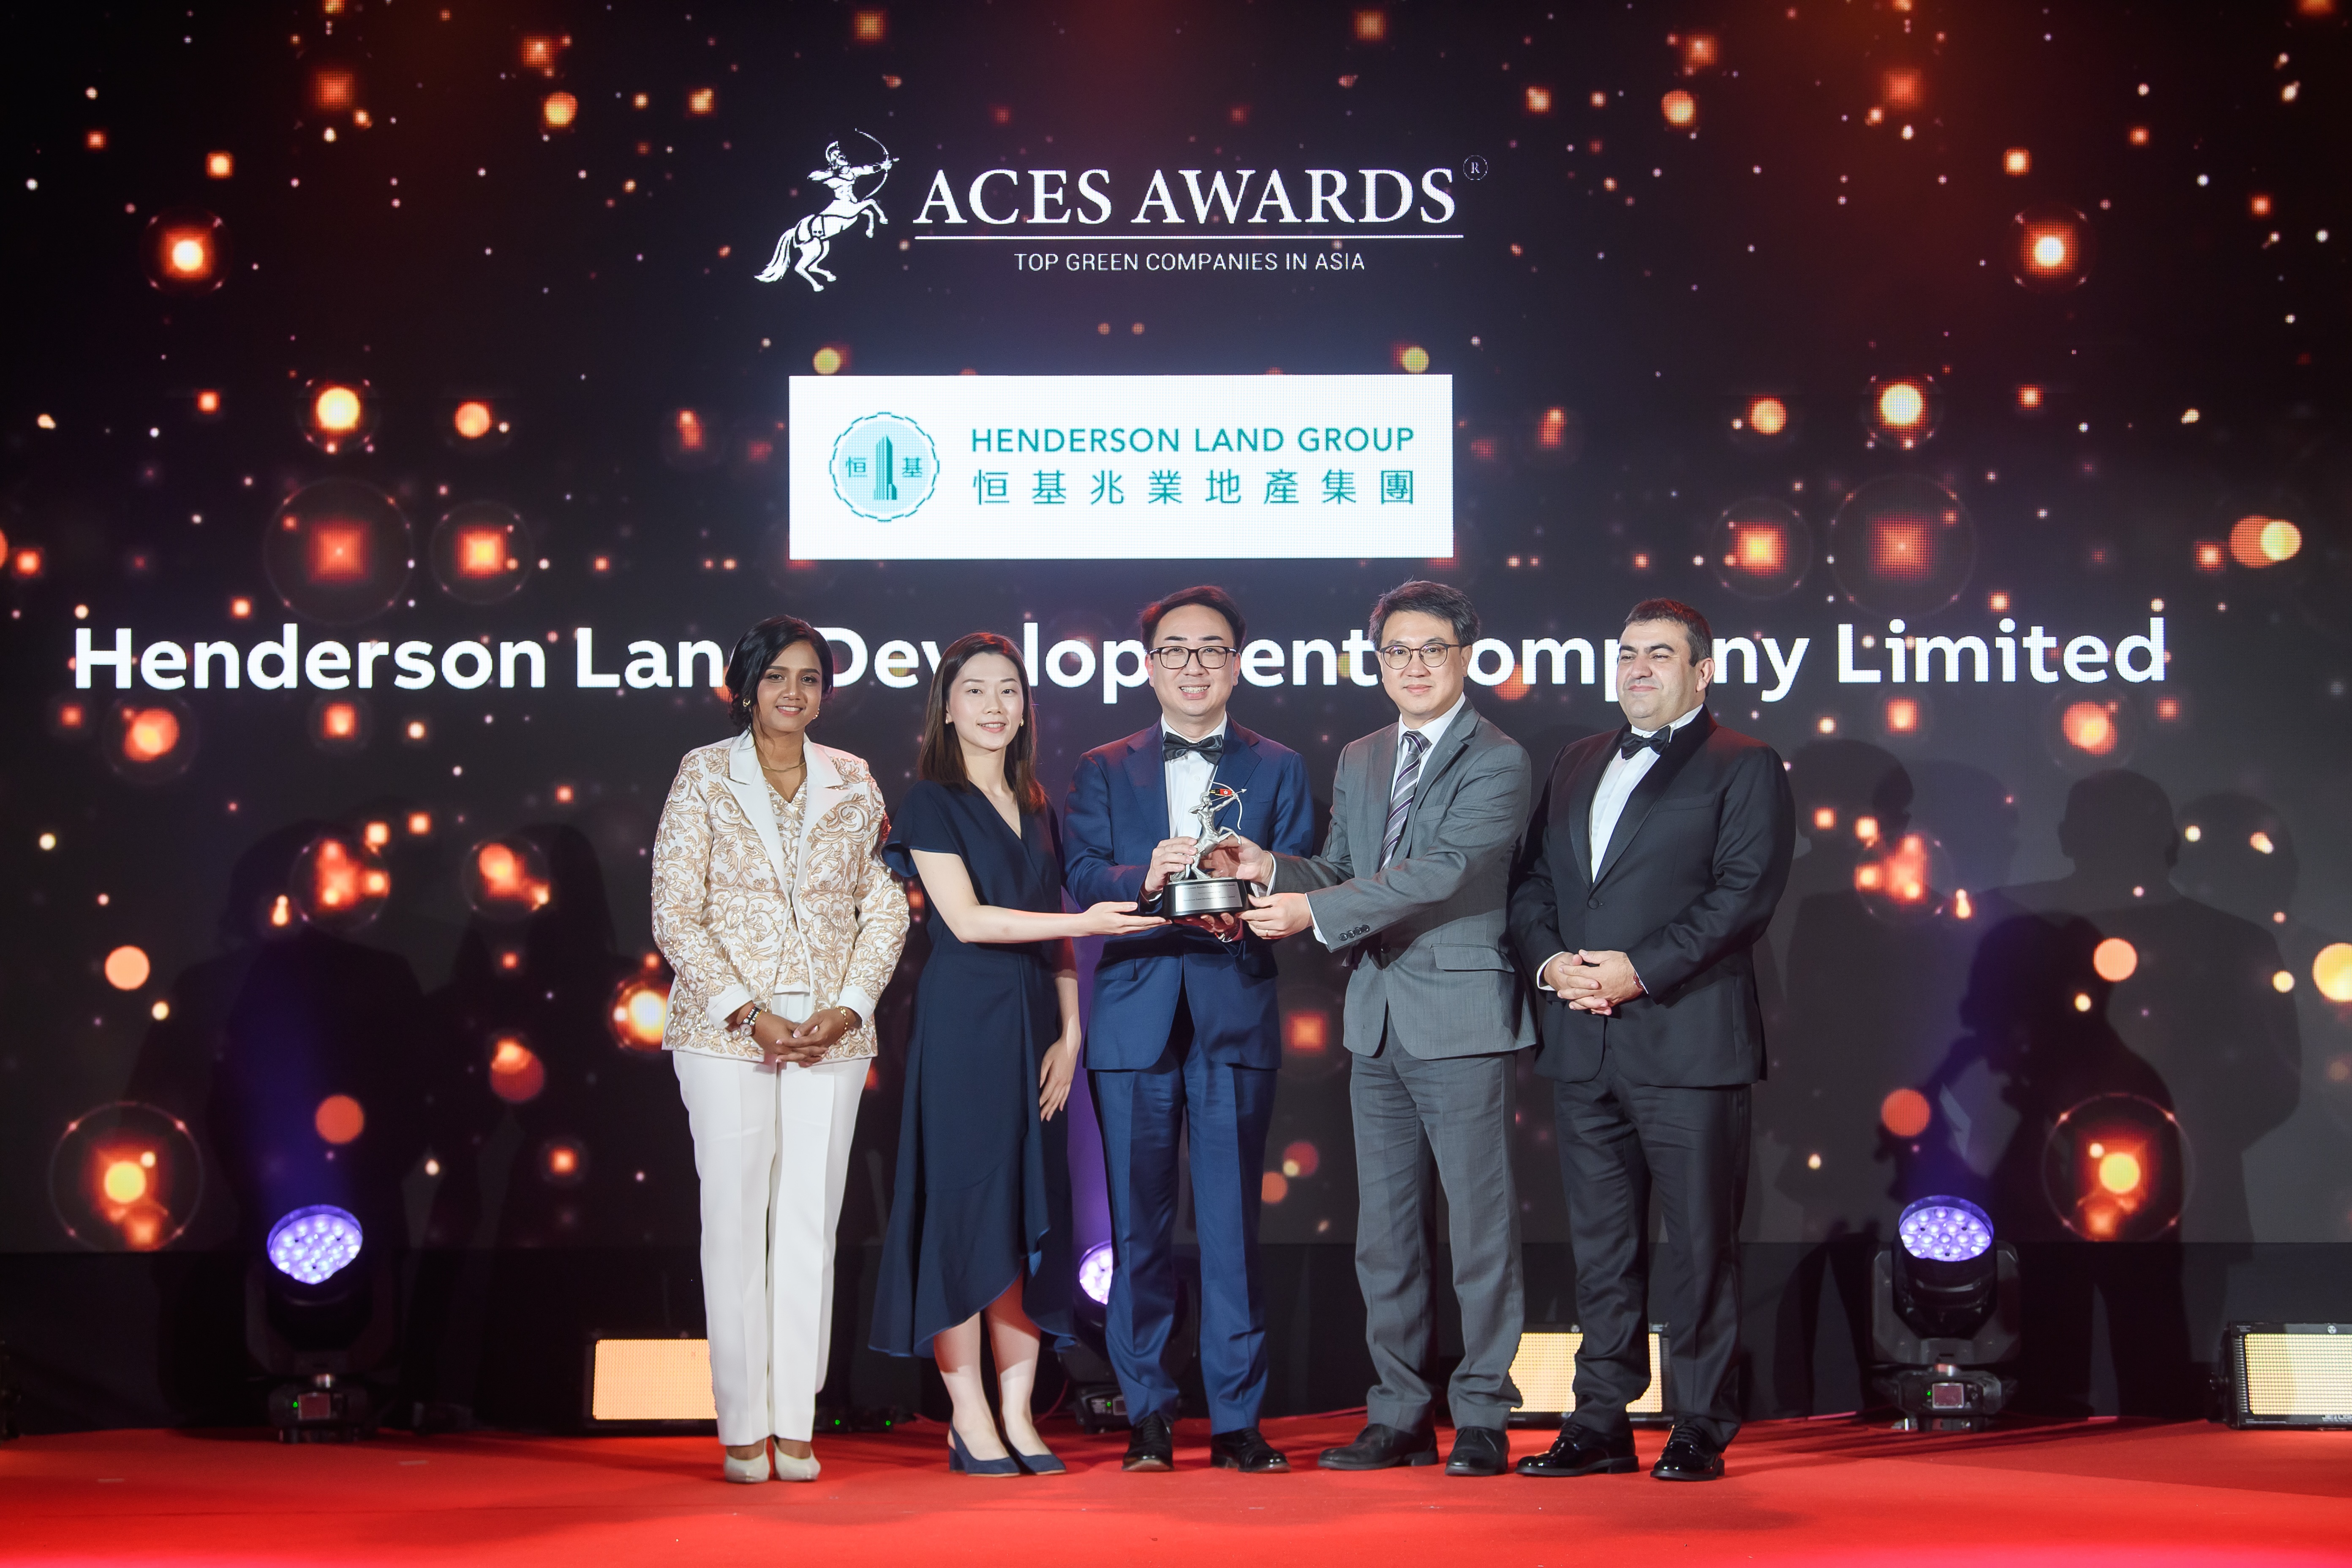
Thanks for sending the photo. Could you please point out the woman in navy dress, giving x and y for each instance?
(979, 1223)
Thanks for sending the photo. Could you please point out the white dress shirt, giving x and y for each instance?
(1433, 732)
(1619, 779)
(1188, 778)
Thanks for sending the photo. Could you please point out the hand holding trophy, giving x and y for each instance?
(1192, 892)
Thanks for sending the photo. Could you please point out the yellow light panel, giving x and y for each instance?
(652, 1380)
(1545, 1372)
(2298, 1374)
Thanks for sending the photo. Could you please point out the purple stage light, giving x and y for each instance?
(1945, 1230)
(312, 1245)
(1095, 1270)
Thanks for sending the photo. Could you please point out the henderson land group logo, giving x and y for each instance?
(1227, 219)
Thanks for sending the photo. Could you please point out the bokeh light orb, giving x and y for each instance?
(1903, 546)
(506, 879)
(342, 723)
(337, 414)
(2260, 542)
(559, 111)
(640, 1010)
(1759, 548)
(517, 1075)
(338, 883)
(1301, 1159)
(1095, 1272)
(2083, 734)
(151, 742)
(2050, 249)
(339, 551)
(1680, 109)
(1906, 1113)
(2116, 1168)
(127, 968)
(2114, 960)
(563, 1162)
(339, 1120)
(481, 553)
(1273, 1187)
(1767, 417)
(2331, 971)
(184, 251)
(472, 419)
(1902, 405)
(1903, 880)
(125, 1177)
(1945, 1230)
(313, 1244)
(335, 411)
(1412, 359)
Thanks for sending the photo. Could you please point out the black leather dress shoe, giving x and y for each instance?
(1245, 1448)
(1151, 1446)
(1688, 1458)
(1378, 1448)
(1478, 1452)
(1577, 1452)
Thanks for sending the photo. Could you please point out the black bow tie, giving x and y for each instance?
(1657, 739)
(1173, 745)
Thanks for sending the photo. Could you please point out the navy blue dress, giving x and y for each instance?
(983, 1189)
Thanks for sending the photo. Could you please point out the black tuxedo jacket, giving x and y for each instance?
(1686, 887)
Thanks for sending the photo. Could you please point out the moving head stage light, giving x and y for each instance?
(312, 1318)
(1944, 1311)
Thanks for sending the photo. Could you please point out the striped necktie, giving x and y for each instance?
(1401, 798)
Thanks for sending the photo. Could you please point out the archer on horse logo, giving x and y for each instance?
(804, 246)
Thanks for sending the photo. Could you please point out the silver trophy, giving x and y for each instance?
(1190, 892)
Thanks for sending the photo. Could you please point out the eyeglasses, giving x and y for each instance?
(1173, 657)
(1433, 656)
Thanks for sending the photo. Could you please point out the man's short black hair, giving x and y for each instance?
(1442, 600)
(758, 648)
(1208, 595)
(1696, 631)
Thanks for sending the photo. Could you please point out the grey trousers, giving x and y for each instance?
(1454, 1113)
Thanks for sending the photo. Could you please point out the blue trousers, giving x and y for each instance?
(1225, 1111)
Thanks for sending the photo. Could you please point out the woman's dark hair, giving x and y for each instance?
(1447, 603)
(941, 759)
(758, 648)
(1208, 595)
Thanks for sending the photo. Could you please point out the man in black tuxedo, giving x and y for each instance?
(1649, 869)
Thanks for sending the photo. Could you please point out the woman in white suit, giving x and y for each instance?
(784, 926)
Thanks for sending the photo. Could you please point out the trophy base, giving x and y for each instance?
(1199, 895)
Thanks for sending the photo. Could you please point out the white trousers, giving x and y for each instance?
(771, 1149)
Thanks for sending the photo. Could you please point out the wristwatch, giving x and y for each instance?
(750, 1018)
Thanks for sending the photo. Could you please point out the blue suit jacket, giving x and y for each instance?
(1118, 813)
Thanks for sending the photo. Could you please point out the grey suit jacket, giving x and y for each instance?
(1426, 938)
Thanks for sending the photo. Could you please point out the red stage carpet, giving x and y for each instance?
(1829, 1491)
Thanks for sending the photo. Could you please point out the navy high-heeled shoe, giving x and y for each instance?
(1043, 1464)
(961, 1463)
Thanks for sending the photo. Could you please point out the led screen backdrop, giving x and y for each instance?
(406, 406)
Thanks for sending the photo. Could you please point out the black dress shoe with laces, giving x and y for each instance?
(1689, 1456)
(1378, 1448)
(1151, 1446)
(1245, 1448)
(1577, 1452)
(1478, 1452)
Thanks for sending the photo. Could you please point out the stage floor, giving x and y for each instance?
(1825, 1492)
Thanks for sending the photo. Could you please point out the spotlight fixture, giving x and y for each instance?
(1945, 1311)
(317, 1319)
(1095, 1396)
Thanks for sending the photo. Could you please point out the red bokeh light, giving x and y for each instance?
(640, 1010)
(1906, 1113)
(2090, 727)
(517, 1074)
(482, 551)
(1307, 1032)
(1759, 548)
(339, 721)
(339, 551)
(150, 734)
(1901, 547)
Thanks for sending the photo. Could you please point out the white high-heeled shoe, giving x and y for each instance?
(752, 1469)
(789, 1468)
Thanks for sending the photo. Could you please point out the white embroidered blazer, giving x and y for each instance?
(741, 914)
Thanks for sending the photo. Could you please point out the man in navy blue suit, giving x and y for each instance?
(1186, 1036)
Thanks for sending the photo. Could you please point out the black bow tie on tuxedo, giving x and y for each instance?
(1658, 741)
(1173, 745)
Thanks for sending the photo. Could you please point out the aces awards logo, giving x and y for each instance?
(803, 246)
(884, 467)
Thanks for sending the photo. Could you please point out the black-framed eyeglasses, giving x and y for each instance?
(1175, 656)
(1432, 654)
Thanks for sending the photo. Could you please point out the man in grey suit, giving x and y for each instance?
(1411, 889)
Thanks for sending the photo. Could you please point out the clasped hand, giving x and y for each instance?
(1592, 981)
(805, 1043)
